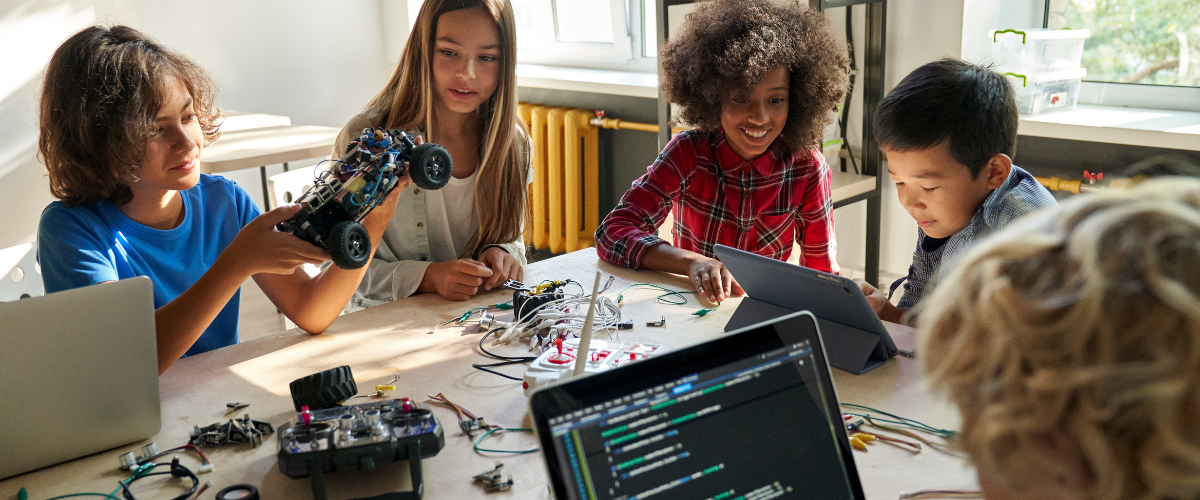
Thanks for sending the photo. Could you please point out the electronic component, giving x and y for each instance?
(526, 301)
(358, 437)
(150, 453)
(493, 481)
(236, 431)
(661, 322)
(603, 355)
(335, 205)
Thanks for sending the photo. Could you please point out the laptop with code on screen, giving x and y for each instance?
(749, 415)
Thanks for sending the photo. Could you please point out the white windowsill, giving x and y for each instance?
(596, 81)
(1118, 125)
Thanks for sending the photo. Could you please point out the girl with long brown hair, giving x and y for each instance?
(456, 84)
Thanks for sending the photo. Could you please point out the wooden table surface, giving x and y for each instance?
(391, 339)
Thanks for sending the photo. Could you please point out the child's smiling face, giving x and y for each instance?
(173, 151)
(940, 193)
(753, 118)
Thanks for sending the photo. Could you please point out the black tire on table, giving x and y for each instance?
(430, 166)
(349, 245)
(323, 390)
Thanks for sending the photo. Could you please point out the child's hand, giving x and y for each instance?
(382, 214)
(503, 265)
(879, 302)
(712, 279)
(260, 248)
(876, 297)
(455, 280)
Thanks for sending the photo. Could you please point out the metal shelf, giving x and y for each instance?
(873, 91)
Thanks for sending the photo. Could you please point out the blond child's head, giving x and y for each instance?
(1071, 344)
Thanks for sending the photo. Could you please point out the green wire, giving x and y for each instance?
(676, 296)
(900, 420)
(673, 297)
(105, 495)
(503, 429)
(467, 315)
(142, 470)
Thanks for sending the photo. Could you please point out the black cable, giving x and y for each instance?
(177, 470)
(497, 356)
(505, 360)
(486, 368)
(845, 121)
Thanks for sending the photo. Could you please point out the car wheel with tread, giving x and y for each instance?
(323, 390)
(430, 166)
(349, 245)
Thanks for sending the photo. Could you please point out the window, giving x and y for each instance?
(600, 34)
(1150, 42)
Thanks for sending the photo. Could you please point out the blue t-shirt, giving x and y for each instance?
(89, 244)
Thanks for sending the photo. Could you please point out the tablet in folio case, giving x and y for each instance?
(855, 339)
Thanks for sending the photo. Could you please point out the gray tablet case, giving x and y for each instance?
(855, 339)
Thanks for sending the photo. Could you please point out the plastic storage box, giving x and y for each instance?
(1038, 50)
(1042, 92)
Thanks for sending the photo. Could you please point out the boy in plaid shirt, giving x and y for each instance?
(949, 130)
(758, 79)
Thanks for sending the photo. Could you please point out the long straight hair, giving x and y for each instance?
(406, 102)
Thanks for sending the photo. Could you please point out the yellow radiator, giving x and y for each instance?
(564, 195)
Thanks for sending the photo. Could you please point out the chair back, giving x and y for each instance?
(20, 274)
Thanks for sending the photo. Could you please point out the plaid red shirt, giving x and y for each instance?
(760, 206)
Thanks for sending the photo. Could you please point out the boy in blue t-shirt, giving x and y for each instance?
(949, 130)
(123, 123)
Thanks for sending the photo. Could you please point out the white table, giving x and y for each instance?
(385, 340)
(262, 146)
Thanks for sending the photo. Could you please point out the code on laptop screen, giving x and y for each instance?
(752, 429)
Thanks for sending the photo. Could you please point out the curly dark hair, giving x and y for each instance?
(102, 91)
(726, 45)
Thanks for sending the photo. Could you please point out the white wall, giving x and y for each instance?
(319, 62)
(315, 61)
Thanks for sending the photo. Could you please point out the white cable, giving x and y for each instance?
(565, 310)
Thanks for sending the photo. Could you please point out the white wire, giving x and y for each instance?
(608, 316)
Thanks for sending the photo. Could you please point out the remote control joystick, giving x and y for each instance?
(358, 437)
(561, 358)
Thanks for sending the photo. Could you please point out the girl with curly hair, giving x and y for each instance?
(456, 84)
(123, 123)
(758, 79)
(1070, 343)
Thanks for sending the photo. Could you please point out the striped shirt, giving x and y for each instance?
(715, 196)
(1019, 195)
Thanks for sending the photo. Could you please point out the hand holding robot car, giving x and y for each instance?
(334, 207)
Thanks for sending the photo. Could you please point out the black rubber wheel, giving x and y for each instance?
(430, 166)
(349, 245)
(323, 390)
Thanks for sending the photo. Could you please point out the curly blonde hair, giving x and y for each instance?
(1082, 321)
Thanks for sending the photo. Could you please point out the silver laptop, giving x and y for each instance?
(78, 374)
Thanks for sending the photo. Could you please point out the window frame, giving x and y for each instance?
(1136, 95)
(624, 54)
